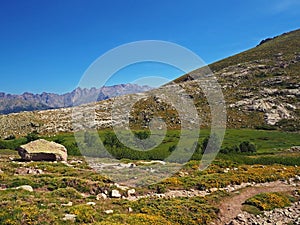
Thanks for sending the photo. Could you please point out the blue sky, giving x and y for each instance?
(47, 45)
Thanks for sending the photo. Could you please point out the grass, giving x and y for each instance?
(267, 142)
(60, 184)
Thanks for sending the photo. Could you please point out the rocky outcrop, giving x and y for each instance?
(42, 150)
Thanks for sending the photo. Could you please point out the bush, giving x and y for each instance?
(214, 143)
(246, 146)
(142, 135)
(269, 201)
(67, 192)
(193, 210)
(172, 148)
(32, 136)
(289, 125)
(72, 149)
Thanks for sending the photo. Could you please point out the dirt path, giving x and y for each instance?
(231, 206)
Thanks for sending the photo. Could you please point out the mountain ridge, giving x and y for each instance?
(13, 103)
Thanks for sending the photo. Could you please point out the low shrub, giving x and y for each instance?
(269, 201)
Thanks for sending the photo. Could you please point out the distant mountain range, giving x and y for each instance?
(10, 103)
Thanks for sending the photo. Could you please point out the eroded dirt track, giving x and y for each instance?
(231, 206)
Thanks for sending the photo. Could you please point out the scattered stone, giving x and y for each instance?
(130, 192)
(91, 203)
(70, 217)
(110, 211)
(101, 196)
(115, 194)
(241, 217)
(121, 187)
(75, 162)
(294, 149)
(130, 210)
(213, 189)
(25, 187)
(132, 165)
(278, 216)
(66, 163)
(68, 204)
(233, 222)
(24, 171)
(42, 150)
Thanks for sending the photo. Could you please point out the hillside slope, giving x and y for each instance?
(261, 87)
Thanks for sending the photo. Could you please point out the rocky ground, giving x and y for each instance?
(290, 215)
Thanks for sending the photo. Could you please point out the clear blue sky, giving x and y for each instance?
(46, 45)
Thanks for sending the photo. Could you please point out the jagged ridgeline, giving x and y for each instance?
(261, 88)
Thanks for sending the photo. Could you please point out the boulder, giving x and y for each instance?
(42, 150)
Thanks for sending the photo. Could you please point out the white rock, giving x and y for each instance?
(130, 192)
(213, 189)
(101, 196)
(68, 204)
(71, 217)
(115, 194)
(25, 187)
(110, 211)
(91, 203)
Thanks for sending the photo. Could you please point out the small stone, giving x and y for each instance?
(115, 194)
(213, 189)
(91, 203)
(39, 171)
(25, 187)
(110, 211)
(130, 209)
(240, 217)
(233, 222)
(101, 196)
(68, 204)
(70, 217)
(131, 192)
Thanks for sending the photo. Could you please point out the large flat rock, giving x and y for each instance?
(43, 150)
